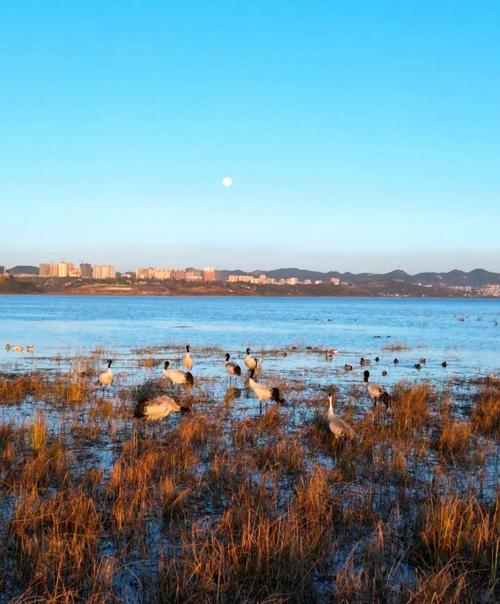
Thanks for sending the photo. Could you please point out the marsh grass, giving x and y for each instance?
(462, 535)
(485, 417)
(232, 502)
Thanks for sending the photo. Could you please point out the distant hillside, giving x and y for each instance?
(475, 278)
(23, 270)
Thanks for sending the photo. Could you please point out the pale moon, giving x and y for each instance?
(227, 181)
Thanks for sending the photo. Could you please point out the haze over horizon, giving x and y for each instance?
(362, 137)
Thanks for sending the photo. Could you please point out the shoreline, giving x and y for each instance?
(223, 290)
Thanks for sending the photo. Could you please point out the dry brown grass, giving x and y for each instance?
(286, 454)
(56, 540)
(67, 387)
(411, 407)
(252, 553)
(485, 417)
(149, 362)
(220, 505)
(454, 439)
(464, 532)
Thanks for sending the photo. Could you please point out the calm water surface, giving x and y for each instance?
(464, 332)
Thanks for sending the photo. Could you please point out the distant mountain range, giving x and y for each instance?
(23, 270)
(475, 278)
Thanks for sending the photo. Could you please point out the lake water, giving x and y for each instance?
(465, 332)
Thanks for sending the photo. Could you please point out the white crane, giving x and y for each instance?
(156, 408)
(177, 377)
(105, 378)
(187, 360)
(250, 362)
(262, 392)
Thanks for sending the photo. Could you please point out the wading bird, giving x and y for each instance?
(363, 361)
(376, 392)
(187, 361)
(177, 377)
(232, 369)
(330, 353)
(338, 426)
(250, 362)
(347, 367)
(156, 408)
(262, 392)
(105, 378)
(396, 361)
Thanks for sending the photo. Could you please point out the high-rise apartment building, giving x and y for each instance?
(144, 273)
(162, 274)
(194, 275)
(86, 270)
(103, 271)
(209, 274)
(44, 269)
(178, 274)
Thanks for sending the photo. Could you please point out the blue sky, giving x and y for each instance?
(359, 135)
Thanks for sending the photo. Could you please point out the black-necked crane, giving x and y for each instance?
(187, 360)
(105, 378)
(250, 362)
(156, 408)
(176, 376)
(233, 370)
(337, 425)
(262, 392)
(376, 392)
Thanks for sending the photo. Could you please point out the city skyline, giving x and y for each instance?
(125, 267)
(364, 137)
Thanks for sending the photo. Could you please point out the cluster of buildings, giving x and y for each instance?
(176, 274)
(265, 280)
(492, 289)
(84, 270)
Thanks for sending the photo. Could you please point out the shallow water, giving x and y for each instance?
(464, 332)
